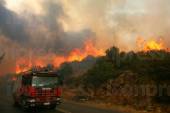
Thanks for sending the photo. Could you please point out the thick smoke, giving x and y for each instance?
(31, 35)
(121, 22)
(11, 25)
(147, 19)
(48, 33)
(44, 31)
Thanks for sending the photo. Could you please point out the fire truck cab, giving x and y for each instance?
(33, 89)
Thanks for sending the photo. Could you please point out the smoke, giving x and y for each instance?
(28, 34)
(56, 27)
(146, 19)
(121, 22)
(47, 32)
(11, 25)
(2, 2)
(55, 23)
(43, 31)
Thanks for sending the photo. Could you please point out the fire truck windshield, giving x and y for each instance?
(44, 81)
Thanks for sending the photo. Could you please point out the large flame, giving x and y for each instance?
(151, 45)
(24, 64)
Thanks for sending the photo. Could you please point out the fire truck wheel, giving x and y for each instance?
(24, 104)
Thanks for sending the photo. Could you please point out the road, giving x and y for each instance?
(73, 107)
(6, 106)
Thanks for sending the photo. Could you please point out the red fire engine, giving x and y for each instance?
(33, 89)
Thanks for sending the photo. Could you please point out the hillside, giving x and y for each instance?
(73, 70)
(138, 79)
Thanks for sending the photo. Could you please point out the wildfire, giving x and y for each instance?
(151, 45)
(24, 64)
(88, 49)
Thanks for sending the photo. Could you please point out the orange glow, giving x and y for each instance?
(24, 64)
(88, 49)
(151, 45)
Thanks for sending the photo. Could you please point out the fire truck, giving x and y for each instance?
(34, 89)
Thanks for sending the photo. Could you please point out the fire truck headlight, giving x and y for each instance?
(58, 99)
(31, 100)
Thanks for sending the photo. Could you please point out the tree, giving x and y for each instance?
(65, 70)
(99, 74)
(114, 55)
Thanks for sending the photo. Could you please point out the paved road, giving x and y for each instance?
(6, 106)
(73, 107)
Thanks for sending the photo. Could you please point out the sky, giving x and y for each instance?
(59, 26)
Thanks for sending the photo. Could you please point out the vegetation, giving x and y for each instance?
(99, 74)
(153, 64)
(119, 77)
(110, 75)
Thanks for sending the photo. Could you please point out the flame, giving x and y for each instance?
(89, 49)
(151, 45)
(24, 64)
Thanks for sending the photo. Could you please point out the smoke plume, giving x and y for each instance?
(31, 35)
